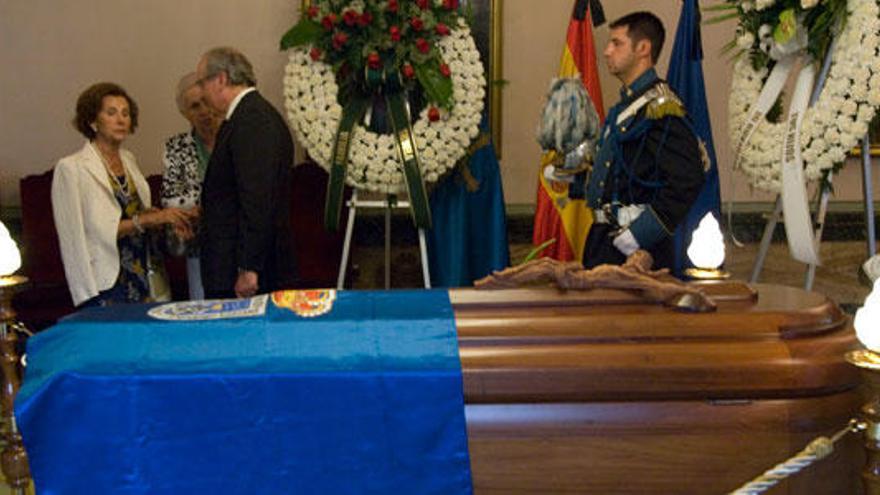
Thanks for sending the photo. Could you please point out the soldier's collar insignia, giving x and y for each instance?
(641, 83)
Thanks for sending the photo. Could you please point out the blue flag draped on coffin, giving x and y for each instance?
(685, 76)
(364, 399)
(469, 238)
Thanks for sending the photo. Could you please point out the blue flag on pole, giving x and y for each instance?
(686, 78)
(469, 238)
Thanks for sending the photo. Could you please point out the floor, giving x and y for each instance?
(837, 277)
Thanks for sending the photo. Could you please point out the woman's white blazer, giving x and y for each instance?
(87, 218)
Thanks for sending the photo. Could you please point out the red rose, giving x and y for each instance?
(315, 53)
(365, 19)
(394, 31)
(442, 29)
(416, 23)
(392, 5)
(444, 69)
(339, 40)
(373, 60)
(349, 17)
(423, 4)
(433, 114)
(408, 71)
(328, 21)
(312, 12)
(422, 45)
(450, 4)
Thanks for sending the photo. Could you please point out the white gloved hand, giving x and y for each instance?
(626, 243)
(551, 175)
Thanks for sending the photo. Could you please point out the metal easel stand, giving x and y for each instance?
(868, 196)
(354, 204)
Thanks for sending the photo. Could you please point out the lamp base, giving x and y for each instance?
(13, 459)
(869, 363)
(706, 274)
(864, 359)
(9, 284)
(11, 281)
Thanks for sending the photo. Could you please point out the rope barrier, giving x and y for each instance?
(817, 449)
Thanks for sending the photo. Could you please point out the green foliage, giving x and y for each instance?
(437, 86)
(786, 27)
(784, 18)
(534, 252)
(774, 115)
(346, 40)
(305, 32)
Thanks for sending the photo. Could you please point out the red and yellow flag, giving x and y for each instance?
(556, 215)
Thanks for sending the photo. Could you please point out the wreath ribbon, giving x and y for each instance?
(796, 208)
(351, 115)
(389, 84)
(412, 171)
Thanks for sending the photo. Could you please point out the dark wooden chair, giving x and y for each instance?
(46, 298)
(317, 251)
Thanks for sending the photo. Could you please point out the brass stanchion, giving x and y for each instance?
(13, 459)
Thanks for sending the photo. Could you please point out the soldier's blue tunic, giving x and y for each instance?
(646, 159)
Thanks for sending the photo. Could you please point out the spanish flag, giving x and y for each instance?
(556, 215)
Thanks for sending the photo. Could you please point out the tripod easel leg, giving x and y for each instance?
(346, 246)
(810, 276)
(388, 244)
(766, 239)
(868, 194)
(423, 249)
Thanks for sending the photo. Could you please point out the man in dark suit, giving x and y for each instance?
(245, 206)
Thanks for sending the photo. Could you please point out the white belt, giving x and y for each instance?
(625, 214)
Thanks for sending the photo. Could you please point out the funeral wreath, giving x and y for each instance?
(774, 36)
(384, 94)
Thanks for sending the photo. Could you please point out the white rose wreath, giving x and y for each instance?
(835, 123)
(310, 92)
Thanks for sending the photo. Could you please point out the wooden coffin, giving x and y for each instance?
(599, 392)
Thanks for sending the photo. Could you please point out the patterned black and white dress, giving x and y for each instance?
(185, 159)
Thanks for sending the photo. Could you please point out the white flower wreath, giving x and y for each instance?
(838, 119)
(310, 92)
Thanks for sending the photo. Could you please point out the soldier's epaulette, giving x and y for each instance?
(663, 103)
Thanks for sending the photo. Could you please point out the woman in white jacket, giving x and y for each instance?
(101, 204)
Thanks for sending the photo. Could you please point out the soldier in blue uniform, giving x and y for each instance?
(648, 168)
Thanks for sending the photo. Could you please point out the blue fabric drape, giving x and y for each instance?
(469, 238)
(365, 399)
(686, 78)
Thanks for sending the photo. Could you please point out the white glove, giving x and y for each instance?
(551, 175)
(626, 243)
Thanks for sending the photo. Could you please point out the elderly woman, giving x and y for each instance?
(102, 208)
(186, 158)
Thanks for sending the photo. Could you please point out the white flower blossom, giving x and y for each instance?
(745, 40)
(763, 4)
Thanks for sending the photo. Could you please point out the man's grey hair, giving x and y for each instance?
(183, 86)
(231, 61)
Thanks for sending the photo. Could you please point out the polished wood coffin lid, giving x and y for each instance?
(550, 345)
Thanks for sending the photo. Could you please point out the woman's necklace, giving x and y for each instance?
(120, 180)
